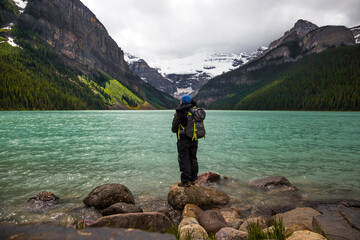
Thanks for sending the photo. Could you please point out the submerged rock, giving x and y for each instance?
(202, 197)
(153, 221)
(108, 194)
(212, 221)
(48, 197)
(43, 201)
(121, 208)
(272, 182)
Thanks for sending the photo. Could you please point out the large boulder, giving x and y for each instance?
(338, 222)
(121, 208)
(232, 217)
(191, 210)
(193, 232)
(202, 197)
(53, 232)
(207, 178)
(272, 182)
(108, 194)
(228, 233)
(298, 215)
(212, 221)
(305, 234)
(153, 221)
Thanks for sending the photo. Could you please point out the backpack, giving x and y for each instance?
(195, 128)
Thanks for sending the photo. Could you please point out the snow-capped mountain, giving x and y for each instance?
(356, 33)
(188, 74)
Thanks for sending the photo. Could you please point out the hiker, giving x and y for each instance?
(186, 146)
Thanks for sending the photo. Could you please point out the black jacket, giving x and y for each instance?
(180, 116)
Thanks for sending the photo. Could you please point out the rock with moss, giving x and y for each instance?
(108, 194)
(193, 232)
(187, 221)
(203, 197)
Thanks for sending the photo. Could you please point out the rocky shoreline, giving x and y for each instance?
(195, 212)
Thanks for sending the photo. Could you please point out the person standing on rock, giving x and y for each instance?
(186, 147)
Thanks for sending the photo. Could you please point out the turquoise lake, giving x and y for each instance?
(71, 152)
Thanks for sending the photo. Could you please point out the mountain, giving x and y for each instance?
(73, 36)
(187, 75)
(305, 64)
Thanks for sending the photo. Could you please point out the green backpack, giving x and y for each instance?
(195, 128)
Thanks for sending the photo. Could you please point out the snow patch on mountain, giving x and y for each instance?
(212, 64)
(21, 4)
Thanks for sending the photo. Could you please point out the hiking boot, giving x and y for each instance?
(187, 184)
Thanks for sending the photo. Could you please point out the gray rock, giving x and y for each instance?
(108, 194)
(42, 202)
(121, 208)
(352, 217)
(173, 214)
(260, 219)
(154, 221)
(271, 182)
(52, 232)
(332, 224)
(212, 221)
(228, 233)
(203, 197)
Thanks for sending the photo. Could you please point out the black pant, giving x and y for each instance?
(187, 159)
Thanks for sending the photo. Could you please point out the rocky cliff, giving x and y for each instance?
(75, 33)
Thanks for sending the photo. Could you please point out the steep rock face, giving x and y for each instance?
(74, 32)
(152, 76)
(300, 29)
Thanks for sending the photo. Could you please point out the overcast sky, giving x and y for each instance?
(176, 28)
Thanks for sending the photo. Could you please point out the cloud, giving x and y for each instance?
(174, 28)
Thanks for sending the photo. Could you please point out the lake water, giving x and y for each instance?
(71, 152)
